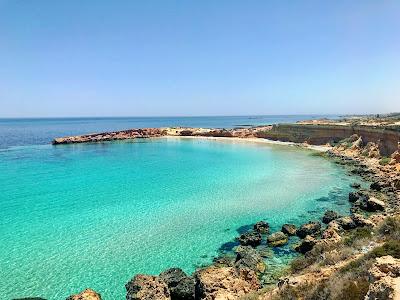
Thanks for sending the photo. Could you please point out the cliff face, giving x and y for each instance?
(387, 139)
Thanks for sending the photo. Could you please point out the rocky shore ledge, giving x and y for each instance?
(354, 256)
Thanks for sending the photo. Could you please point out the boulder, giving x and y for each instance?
(87, 294)
(354, 196)
(289, 229)
(346, 223)
(181, 286)
(377, 185)
(360, 221)
(329, 216)
(146, 287)
(250, 238)
(310, 228)
(261, 227)
(248, 258)
(277, 239)
(306, 244)
(224, 283)
(355, 185)
(374, 204)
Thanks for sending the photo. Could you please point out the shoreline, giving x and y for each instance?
(242, 271)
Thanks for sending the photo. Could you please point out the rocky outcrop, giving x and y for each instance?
(251, 238)
(385, 138)
(277, 239)
(224, 283)
(310, 228)
(249, 258)
(374, 204)
(146, 287)
(346, 223)
(329, 216)
(87, 294)
(181, 286)
(261, 227)
(289, 229)
(306, 244)
(385, 277)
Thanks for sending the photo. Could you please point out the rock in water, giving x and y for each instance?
(87, 294)
(306, 245)
(250, 238)
(329, 216)
(289, 229)
(249, 258)
(310, 228)
(146, 287)
(224, 283)
(277, 239)
(181, 286)
(261, 227)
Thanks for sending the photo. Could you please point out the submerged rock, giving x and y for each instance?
(181, 286)
(329, 216)
(277, 239)
(248, 258)
(289, 229)
(224, 283)
(250, 238)
(87, 294)
(146, 287)
(310, 228)
(261, 227)
(355, 185)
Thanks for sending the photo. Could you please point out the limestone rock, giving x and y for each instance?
(360, 221)
(181, 286)
(249, 258)
(346, 223)
(214, 283)
(261, 227)
(87, 294)
(277, 239)
(250, 238)
(289, 229)
(329, 216)
(310, 228)
(374, 204)
(306, 244)
(146, 287)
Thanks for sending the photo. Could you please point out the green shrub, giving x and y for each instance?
(357, 234)
(391, 247)
(354, 290)
(384, 161)
(390, 228)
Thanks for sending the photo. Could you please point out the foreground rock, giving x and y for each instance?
(250, 238)
(224, 283)
(249, 258)
(146, 287)
(87, 294)
(181, 286)
(385, 274)
(277, 239)
(310, 228)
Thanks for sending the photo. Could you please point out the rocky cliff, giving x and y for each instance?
(387, 139)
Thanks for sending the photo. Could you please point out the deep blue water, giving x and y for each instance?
(21, 132)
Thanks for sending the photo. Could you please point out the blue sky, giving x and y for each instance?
(151, 58)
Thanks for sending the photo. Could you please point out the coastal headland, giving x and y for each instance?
(352, 256)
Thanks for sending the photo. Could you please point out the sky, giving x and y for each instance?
(76, 58)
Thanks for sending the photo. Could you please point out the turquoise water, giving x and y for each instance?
(94, 215)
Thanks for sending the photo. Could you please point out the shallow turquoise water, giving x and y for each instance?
(94, 215)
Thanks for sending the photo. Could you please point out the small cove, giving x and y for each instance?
(94, 215)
